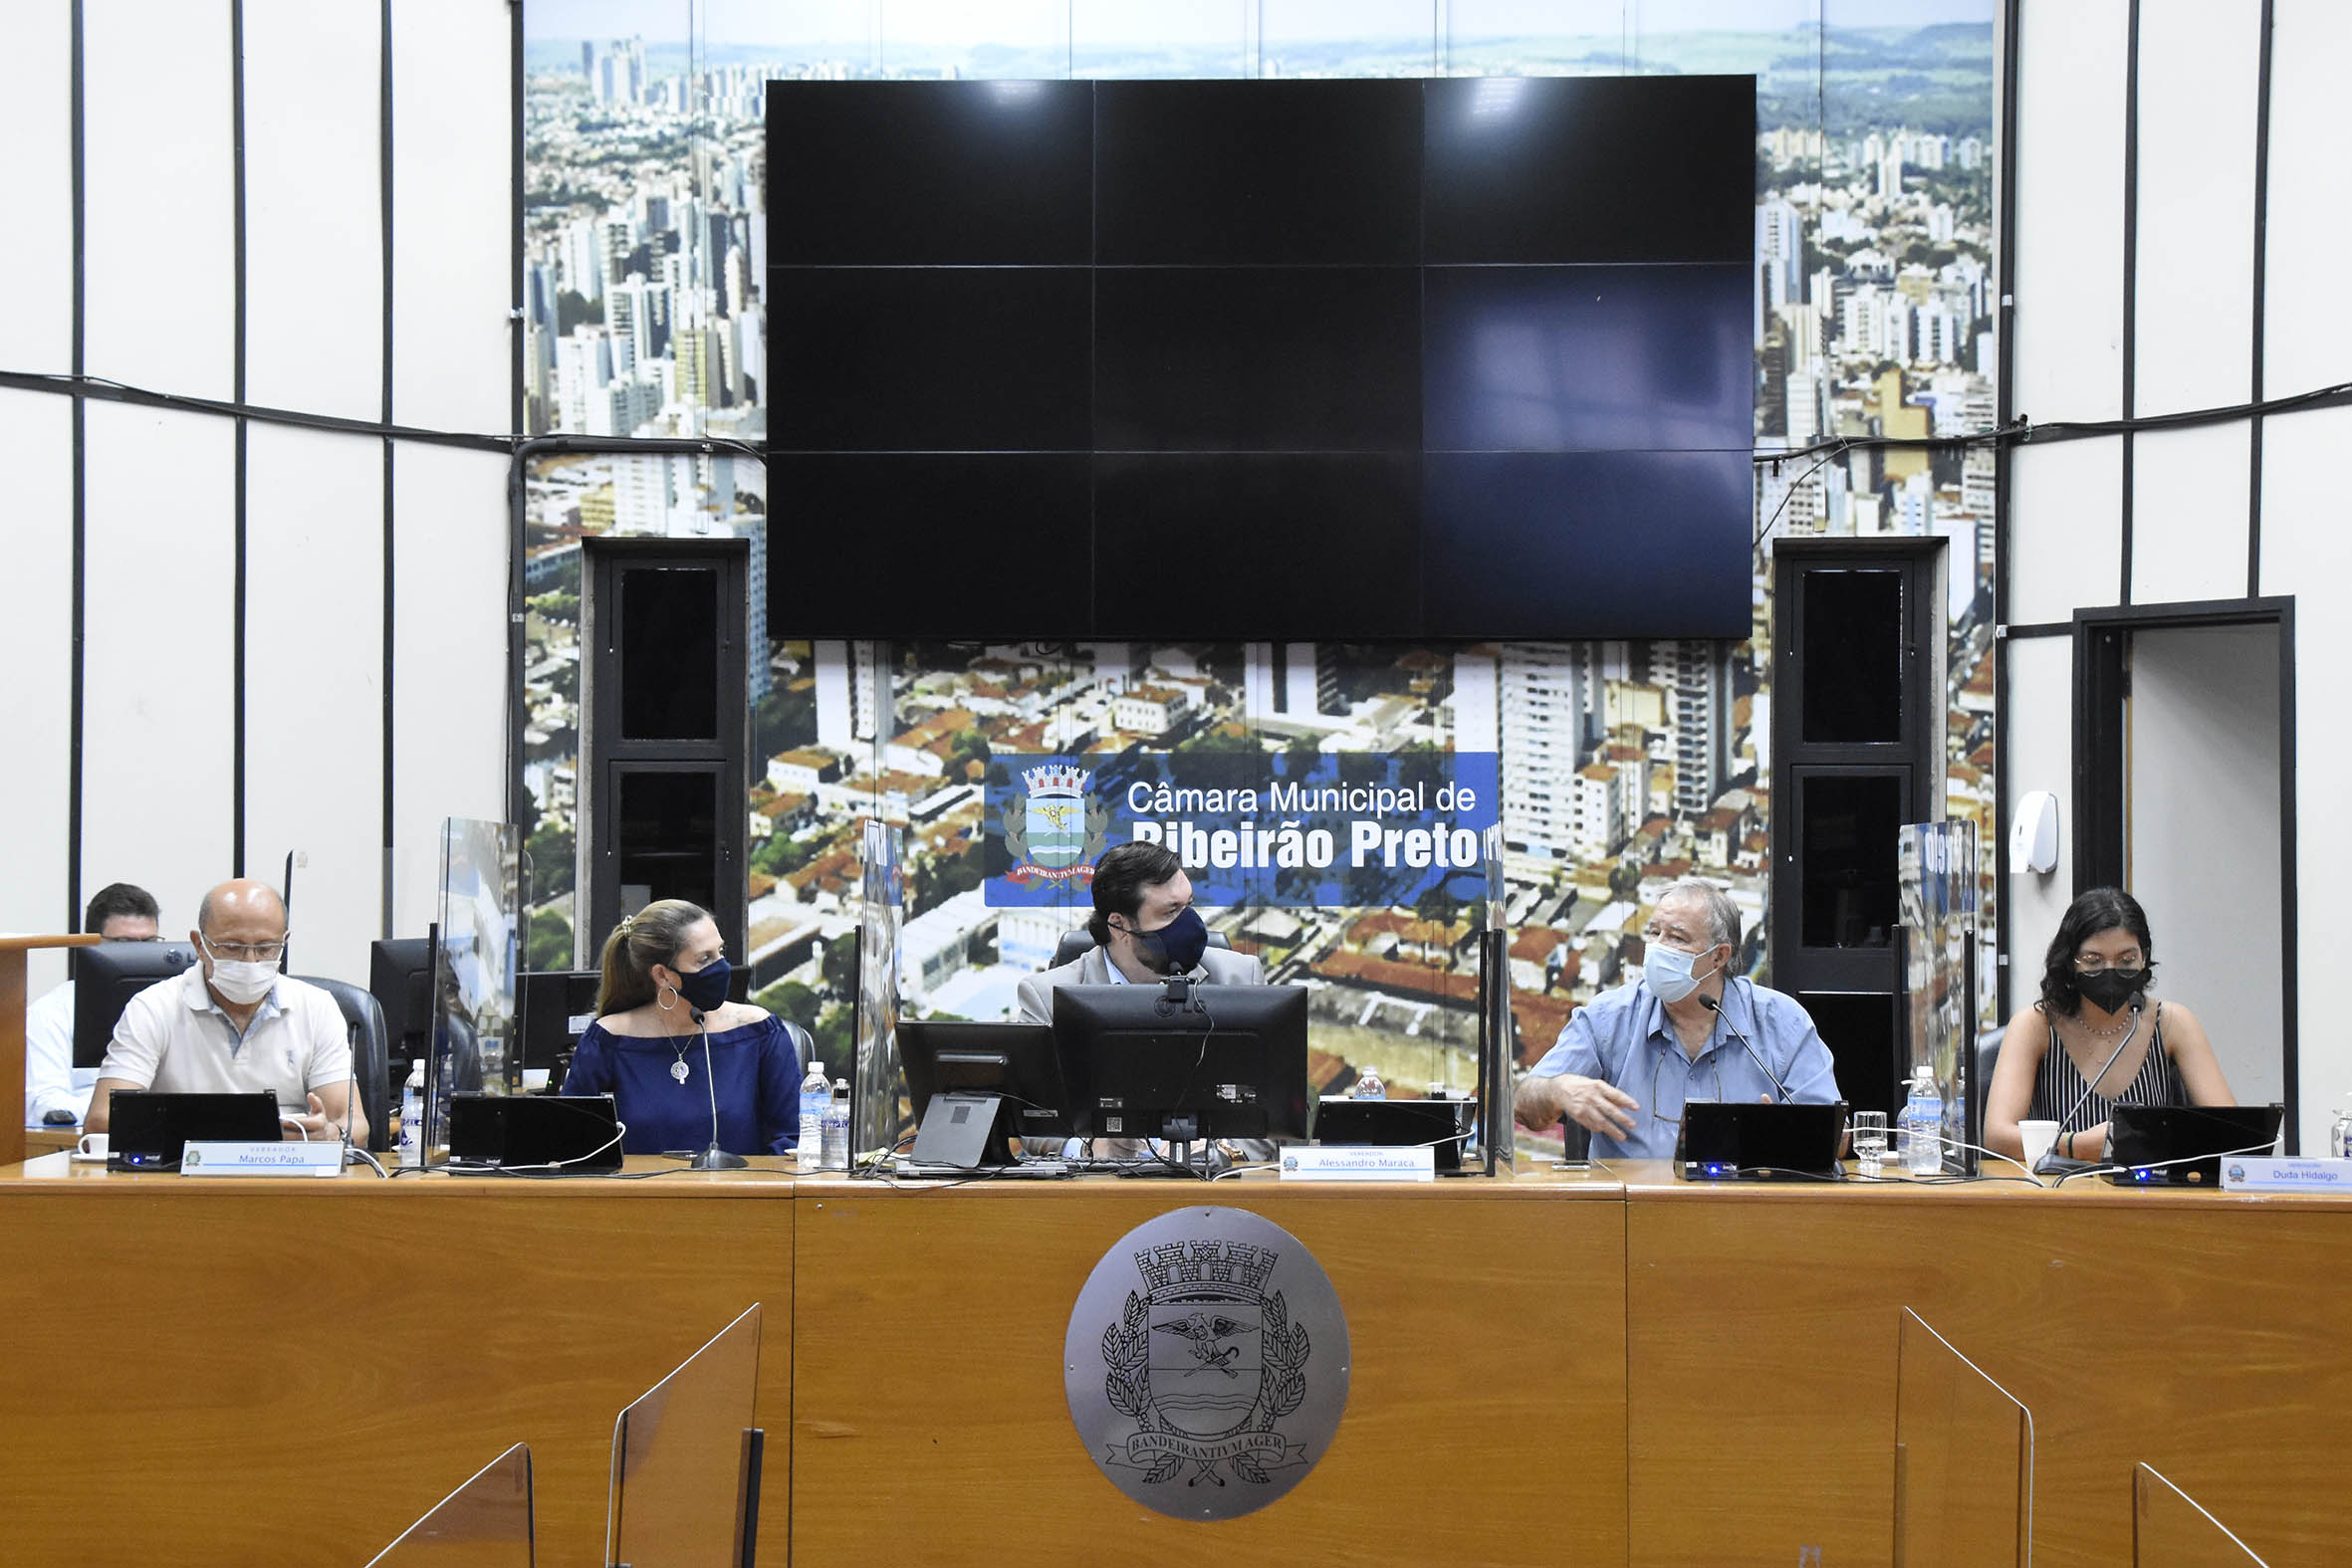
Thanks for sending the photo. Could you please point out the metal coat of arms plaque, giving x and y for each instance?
(1206, 1363)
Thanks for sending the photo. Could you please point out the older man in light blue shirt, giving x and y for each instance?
(1631, 1059)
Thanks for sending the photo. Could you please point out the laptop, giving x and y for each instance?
(545, 1134)
(1724, 1140)
(146, 1131)
(2183, 1145)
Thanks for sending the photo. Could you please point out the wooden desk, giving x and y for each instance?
(2201, 1332)
(1486, 1408)
(267, 1371)
(11, 1035)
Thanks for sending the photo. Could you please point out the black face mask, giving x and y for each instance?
(2110, 989)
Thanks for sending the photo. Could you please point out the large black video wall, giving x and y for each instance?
(1368, 360)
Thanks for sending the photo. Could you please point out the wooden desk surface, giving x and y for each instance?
(2200, 1332)
(1487, 1334)
(280, 1371)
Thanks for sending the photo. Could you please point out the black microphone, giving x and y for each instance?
(713, 1158)
(1716, 1008)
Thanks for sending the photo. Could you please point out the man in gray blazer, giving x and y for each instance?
(1145, 930)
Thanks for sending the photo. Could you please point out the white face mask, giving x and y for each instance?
(239, 980)
(1667, 971)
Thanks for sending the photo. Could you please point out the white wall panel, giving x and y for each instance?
(159, 236)
(36, 659)
(2065, 527)
(2200, 65)
(2070, 257)
(314, 264)
(2037, 709)
(313, 780)
(36, 126)
(449, 659)
(452, 214)
(160, 652)
(2307, 322)
(2189, 514)
(2306, 552)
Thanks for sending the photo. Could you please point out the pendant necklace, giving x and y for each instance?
(678, 1067)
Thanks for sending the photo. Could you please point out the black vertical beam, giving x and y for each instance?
(2290, 927)
(76, 675)
(2004, 414)
(239, 630)
(383, 177)
(2254, 496)
(2131, 284)
(518, 477)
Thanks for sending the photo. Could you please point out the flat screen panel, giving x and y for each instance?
(1257, 358)
(948, 544)
(1227, 546)
(1589, 169)
(930, 358)
(1196, 172)
(1852, 647)
(1586, 544)
(1845, 834)
(897, 173)
(1558, 358)
(669, 653)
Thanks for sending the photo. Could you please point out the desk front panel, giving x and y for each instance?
(1485, 1406)
(2204, 1334)
(291, 1371)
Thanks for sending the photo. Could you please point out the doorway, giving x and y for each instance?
(2184, 781)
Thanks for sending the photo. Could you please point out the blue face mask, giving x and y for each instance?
(1175, 947)
(1667, 971)
(706, 988)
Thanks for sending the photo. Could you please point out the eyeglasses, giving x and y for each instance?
(1656, 1075)
(245, 952)
(2092, 964)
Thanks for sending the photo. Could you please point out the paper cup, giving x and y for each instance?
(2039, 1137)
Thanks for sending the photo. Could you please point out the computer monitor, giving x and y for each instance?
(105, 978)
(1187, 1062)
(558, 1006)
(400, 976)
(977, 1088)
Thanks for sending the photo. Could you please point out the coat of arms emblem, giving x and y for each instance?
(1206, 1363)
(1053, 832)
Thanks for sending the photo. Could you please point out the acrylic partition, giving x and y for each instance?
(2170, 1529)
(1936, 874)
(1963, 1460)
(474, 968)
(686, 1460)
(879, 1114)
(485, 1523)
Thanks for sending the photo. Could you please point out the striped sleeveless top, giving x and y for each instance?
(2060, 1084)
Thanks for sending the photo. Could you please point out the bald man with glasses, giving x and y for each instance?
(1632, 1057)
(231, 1023)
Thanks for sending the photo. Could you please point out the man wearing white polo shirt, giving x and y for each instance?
(231, 1023)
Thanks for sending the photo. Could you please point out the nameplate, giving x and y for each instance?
(262, 1159)
(1359, 1163)
(2272, 1174)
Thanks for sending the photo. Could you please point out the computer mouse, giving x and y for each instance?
(61, 1117)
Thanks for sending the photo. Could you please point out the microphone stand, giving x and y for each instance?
(713, 1158)
(1716, 1008)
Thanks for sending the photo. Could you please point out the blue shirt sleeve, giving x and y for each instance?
(591, 1071)
(779, 1088)
(1577, 1050)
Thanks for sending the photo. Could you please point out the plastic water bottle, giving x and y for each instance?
(835, 1136)
(1918, 1138)
(816, 1098)
(412, 1115)
(2339, 1137)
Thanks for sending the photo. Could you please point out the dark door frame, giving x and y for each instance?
(2101, 683)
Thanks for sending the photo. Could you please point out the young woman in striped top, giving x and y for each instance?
(2095, 1039)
